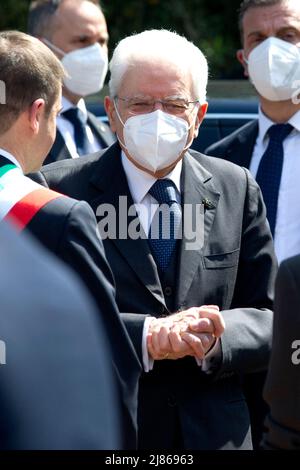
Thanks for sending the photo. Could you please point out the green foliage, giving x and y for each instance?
(210, 24)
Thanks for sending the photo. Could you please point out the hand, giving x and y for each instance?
(185, 333)
(169, 341)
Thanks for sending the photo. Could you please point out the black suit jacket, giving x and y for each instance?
(68, 229)
(237, 147)
(56, 388)
(282, 388)
(101, 131)
(235, 270)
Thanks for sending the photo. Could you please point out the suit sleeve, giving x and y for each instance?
(82, 248)
(246, 342)
(281, 390)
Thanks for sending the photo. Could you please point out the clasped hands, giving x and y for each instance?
(192, 332)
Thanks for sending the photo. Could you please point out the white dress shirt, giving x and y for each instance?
(287, 229)
(66, 128)
(139, 183)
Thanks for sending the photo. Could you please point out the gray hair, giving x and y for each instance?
(163, 45)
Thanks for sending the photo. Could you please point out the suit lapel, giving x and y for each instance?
(111, 183)
(198, 189)
(241, 152)
(101, 130)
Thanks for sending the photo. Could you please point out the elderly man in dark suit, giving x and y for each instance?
(281, 390)
(76, 31)
(211, 249)
(33, 77)
(57, 387)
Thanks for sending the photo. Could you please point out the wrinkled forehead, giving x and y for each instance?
(269, 19)
(156, 77)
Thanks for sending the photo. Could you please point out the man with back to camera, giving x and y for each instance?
(281, 390)
(33, 78)
(76, 31)
(57, 383)
(270, 34)
(157, 102)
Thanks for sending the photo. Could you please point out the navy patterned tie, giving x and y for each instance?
(74, 115)
(165, 228)
(270, 168)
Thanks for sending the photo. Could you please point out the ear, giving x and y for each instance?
(200, 116)
(35, 114)
(240, 55)
(111, 112)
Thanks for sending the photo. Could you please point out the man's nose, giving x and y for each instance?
(157, 105)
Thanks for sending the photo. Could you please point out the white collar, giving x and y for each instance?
(10, 157)
(265, 123)
(66, 104)
(140, 182)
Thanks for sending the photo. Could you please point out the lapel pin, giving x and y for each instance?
(207, 203)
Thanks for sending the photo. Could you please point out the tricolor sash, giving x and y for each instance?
(20, 197)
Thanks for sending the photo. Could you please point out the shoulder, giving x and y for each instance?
(73, 165)
(290, 269)
(220, 169)
(245, 132)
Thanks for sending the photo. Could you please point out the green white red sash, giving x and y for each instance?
(20, 197)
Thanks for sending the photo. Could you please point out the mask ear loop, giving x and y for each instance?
(190, 143)
(54, 48)
(123, 124)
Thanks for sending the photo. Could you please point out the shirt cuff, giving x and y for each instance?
(148, 362)
(210, 358)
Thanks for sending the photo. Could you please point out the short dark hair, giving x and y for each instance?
(247, 4)
(41, 14)
(29, 71)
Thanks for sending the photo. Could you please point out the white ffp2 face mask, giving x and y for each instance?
(86, 68)
(274, 68)
(155, 140)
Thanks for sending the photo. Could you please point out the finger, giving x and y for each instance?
(216, 317)
(202, 325)
(195, 344)
(155, 342)
(163, 340)
(177, 343)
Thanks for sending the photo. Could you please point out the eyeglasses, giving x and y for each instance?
(176, 107)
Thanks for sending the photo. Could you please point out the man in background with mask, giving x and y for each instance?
(270, 31)
(226, 266)
(269, 146)
(75, 30)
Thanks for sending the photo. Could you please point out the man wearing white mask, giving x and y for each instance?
(76, 31)
(156, 105)
(270, 31)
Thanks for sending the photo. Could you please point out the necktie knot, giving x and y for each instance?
(164, 191)
(278, 132)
